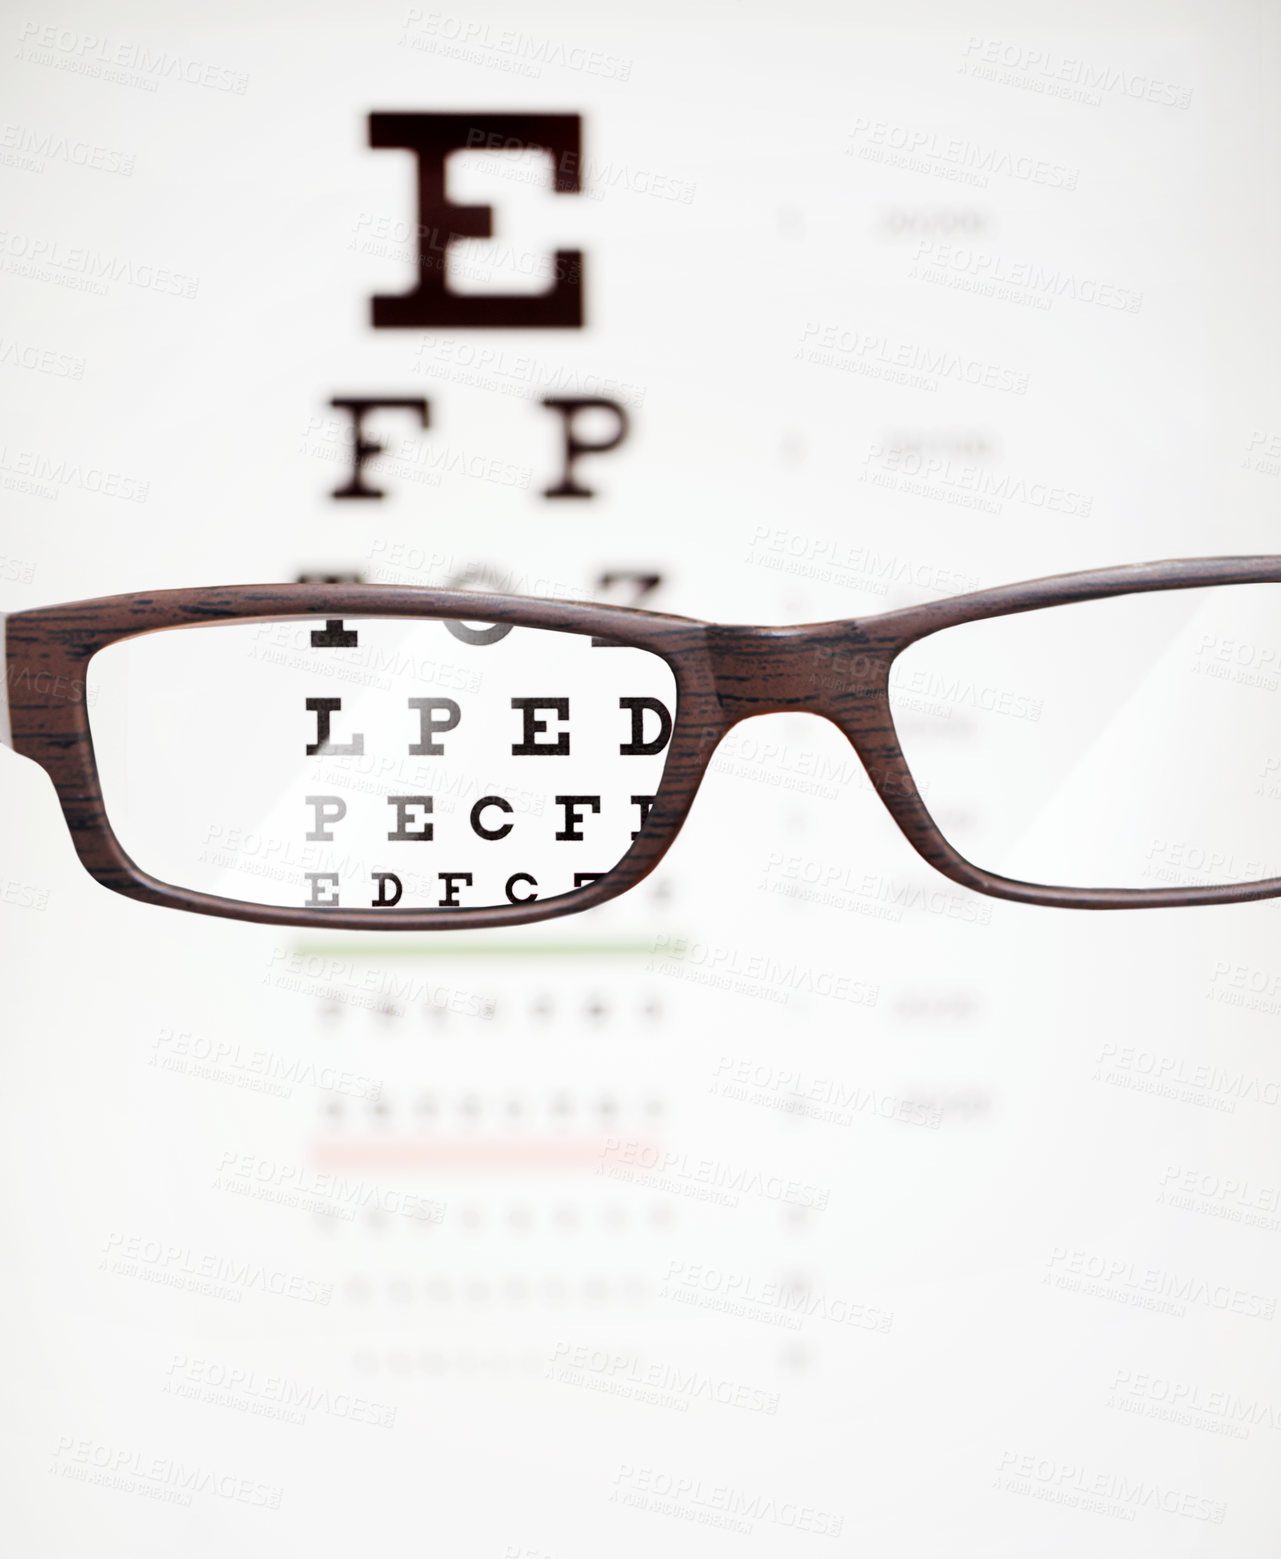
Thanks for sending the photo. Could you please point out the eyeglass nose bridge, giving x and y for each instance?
(818, 668)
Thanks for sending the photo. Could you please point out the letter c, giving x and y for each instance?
(528, 898)
(500, 832)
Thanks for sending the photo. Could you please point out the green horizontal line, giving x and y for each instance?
(470, 949)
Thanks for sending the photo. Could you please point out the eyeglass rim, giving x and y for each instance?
(711, 664)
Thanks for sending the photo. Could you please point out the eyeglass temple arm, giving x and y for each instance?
(6, 728)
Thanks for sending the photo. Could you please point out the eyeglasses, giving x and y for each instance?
(375, 757)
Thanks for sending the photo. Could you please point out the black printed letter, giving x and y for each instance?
(531, 747)
(315, 879)
(426, 708)
(382, 879)
(568, 486)
(521, 877)
(402, 805)
(638, 747)
(328, 809)
(451, 881)
(431, 138)
(573, 816)
(478, 827)
(361, 447)
(323, 709)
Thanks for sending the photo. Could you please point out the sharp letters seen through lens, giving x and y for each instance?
(379, 762)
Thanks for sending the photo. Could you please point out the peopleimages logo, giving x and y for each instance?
(162, 1478)
(952, 156)
(1066, 75)
(1104, 1493)
(785, 1304)
(816, 1098)
(1190, 1405)
(982, 271)
(220, 1277)
(719, 1505)
(261, 1071)
(276, 1397)
(709, 1178)
(754, 974)
(519, 53)
(655, 1383)
(115, 60)
(1151, 1288)
(869, 352)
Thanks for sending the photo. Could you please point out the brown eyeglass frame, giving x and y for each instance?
(724, 674)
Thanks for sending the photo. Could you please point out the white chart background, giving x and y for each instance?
(552, 1358)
